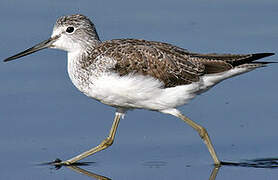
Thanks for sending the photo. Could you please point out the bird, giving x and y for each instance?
(132, 74)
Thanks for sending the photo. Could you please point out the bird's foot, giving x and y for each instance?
(58, 163)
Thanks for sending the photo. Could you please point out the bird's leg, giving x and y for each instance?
(103, 145)
(203, 134)
(201, 130)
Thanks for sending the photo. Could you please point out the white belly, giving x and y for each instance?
(137, 91)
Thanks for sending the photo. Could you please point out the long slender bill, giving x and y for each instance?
(42, 45)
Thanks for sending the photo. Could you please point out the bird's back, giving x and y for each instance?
(170, 64)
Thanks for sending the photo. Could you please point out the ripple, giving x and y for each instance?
(255, 163)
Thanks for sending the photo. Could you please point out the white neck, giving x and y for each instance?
(77, 75)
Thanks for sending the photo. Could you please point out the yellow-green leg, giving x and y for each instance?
(201, 130)
(103, 145)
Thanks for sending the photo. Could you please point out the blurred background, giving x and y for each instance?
(44, 117)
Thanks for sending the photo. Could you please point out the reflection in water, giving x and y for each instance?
(99, 177)
(58, 166)
(87, 173)
(214, 172)
(76, 168)
(255, 163)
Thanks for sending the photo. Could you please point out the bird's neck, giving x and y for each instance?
(87, 65)
(78, 75)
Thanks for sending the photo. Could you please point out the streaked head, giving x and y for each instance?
(70, 33)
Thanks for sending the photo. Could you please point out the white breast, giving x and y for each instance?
(138, 91)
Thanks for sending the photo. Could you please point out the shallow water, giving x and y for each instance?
(43, 117)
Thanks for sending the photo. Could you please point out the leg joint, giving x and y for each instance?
(202, 132)
(107, 142)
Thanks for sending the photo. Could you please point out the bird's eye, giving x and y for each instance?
(70, 29)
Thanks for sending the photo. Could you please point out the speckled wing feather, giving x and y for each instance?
(159, 60)
(172, 65)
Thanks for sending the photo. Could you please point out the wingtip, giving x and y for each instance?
(262, 55)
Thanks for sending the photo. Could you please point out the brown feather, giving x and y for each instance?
(170, 64)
